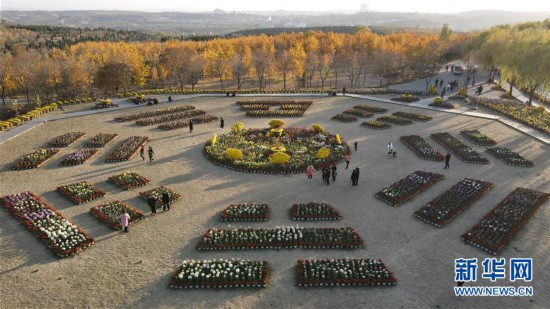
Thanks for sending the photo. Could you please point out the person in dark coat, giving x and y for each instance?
(190, 126)
(441, 83)
(447, 159)
(355, 145)
(326, 175)
(356, 176)
(153, 205)
(142, 152)
(353, 177)
(151, 153)
(443, 92)
(222, 123)
(165, 201)
(333, 169)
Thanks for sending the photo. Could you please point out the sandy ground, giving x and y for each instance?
(133, 269)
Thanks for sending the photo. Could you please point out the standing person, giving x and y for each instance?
(142, 152)
(165, 201)
(151, 153)
(436, 82)
(355, 145)
(124, 219)
(309, 172)
(356, 176)
(443, 93)
(347, 158)
(468, 81)
(353, 178)
(480, 89)
(222, 123)
(190, 125)
(152, 204)
(326, 175)
(344, 91)
(447, 68)
(390, 148)
(473, 81)
(447, 159)
(333, 169)
(441, 83)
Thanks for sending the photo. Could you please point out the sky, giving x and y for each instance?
(431, 6)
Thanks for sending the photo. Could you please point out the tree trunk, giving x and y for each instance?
(335, 79)
(221, 81)
(239, 83)
(284, 81)
(181, 85)
(4, 96)
(27, 95)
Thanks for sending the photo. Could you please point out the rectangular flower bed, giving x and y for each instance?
(127, 149)
(510, 157)
(245, 212)
(394, 120)
(422, 149)
(450, 203)
(275, 113)
(157, 194)
(254, 107)
(79, 157)
(100, 140)
(408, 187)
(280, 238)
(478, 138)
(110, 213)
(155, 113)
(35, 159)
(81, 192)
(66, 139)
(372, 109)
(60, 235)
(184, 124)
(343, 272)
(377, 125)
(358, 113)
(129, 180)
(461, 150)
(305, 103)
(314, 211)
(412, 116)
(344, 118)
(442, 104)
(498, 226)
(195, 274)
(170, 117)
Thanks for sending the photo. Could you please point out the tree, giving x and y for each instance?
(445, 32)
(25, 68)
(176, 60)
(195, 71)
(424, 60)
(6, 78)
(284, 64)
(262, 62)
(113, 75)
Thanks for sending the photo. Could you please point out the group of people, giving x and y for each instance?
(124, 218)
(150, 152)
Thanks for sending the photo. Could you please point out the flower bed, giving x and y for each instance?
(104, 103)
(442, 104)
(372, 109)
(406, 98)
(280, 238)
(394, 120)
(422, 149)
(245, 212)
(100, 140)
(461, 150)
(256, 148)
(510, 157)
(260, 109)
(127, 149)
(478, 138)
(79, 157)
(81, 192)
(412, 116)
(157, 194)
(408, 187)
(498, 226)
(358, 113)
(110, 212)
(170, 117)
(254, 107)
(155, 113)
(344, 118)
(287, 113)
(184, 124)
(60, 235)
(343, 272)
(66, 139)
(377, 125)
(528, 115)
(450, 203)
(220, 274)
(129, 180)
(35, 159)
(314, 211)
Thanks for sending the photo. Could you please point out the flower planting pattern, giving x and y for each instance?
(498, 226)
(100, 140)
(377, 125)
(358, 113)
(35, 159)
(170, 117)
(129, 180)
(412, 116)
(286, 108)
(155, 113)
(421, 148)
(156, 193)
(314, 211)
(81, 192)
(442, 104)
(461, 150)
(245, 212)
(509, 157)
(344, 118)
(478, 138)
(452, 202)
(394, 120)
(127, 149)
(372, 109)
(408, 187)
(66, 139)
(110, 213)
(184, 124)
(79, 157)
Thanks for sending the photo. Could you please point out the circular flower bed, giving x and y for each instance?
(260, 150)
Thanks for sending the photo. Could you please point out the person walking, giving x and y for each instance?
(443, 93)
(390, 148)
(124, 220)
(165, 201)
(151, 153)
(152, 204)
(447, 159)
(356, 176)
(309, 172)
(222, 123)
(355, 145)
(447, 68)
(347, 158)
(190, 125)
(333, 169)
(436, 82)
(142, 152)
(441, 83)
(326, 175)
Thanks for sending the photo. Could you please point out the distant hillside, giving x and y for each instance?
(220, 22)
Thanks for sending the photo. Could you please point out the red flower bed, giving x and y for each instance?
(343, 272)
(408, 187)
(498, 226)
(79, 157)
(314, 211)
(59, 234)
(127, 149)
(66, 139)
(81, 192)
(110, 212)
(35, 159)
(129, 180)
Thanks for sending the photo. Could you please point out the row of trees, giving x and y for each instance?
(301, 57)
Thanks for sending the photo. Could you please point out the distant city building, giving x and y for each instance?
(294, 24)
(364, 7)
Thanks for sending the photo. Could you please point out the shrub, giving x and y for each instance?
(279, 158)
(323, 153)
(318, 128)
(238, 127)
(276, 123)
(233, 153)
(438, 100)
(541, 109)
(462, 91)
(432, 90)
